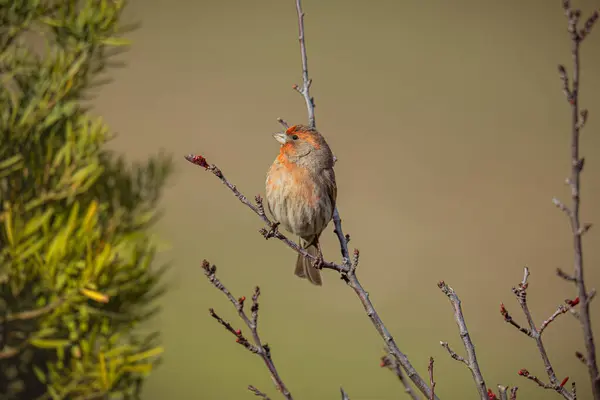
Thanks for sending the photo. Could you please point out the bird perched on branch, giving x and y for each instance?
(301, 192)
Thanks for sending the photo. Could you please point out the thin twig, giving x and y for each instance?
(32, 314)
(577, 162)
(562, 309)
(508, 318)
(562, 274)
(263, 350)
(471, 360)
(557, 387)
(306, 81)
(344, 394)
(502, 392)
(390, 362)
(454, 354)
(258, 393)
(581, 357)
(431, 380)
(536, 334)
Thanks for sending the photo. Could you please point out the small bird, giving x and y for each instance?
(301, 192)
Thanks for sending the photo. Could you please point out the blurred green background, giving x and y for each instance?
(452, 135)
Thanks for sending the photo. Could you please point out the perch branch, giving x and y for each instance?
(471, 360)
(349, 273)
(578, 120)
(347, 269)
(257, 347)
(271, 230)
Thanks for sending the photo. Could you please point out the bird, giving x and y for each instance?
(301, 192)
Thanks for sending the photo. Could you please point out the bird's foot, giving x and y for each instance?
(318, 263)
(268, 234)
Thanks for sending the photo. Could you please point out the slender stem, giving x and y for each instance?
(577, 120)
(471, 360)
(306, 81)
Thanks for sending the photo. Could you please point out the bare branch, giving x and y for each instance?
(431, 380)
(258, 209)
(562, 207)
(344, 394)
(352, 280)
(508, 318)
(524, 373)
(283, 123)
(536, 334)
(577, 162)
(581, 357)
(263, 350)
(559, 388)
(390, 362)
(562, 72)
(258, 393)
(471, 360)
(589, 24)
(254, 308)
(306, 81)
(563, 308)
(562, 274)
(453, 354)
(502, 392)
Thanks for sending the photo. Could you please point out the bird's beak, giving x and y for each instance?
(281, 137)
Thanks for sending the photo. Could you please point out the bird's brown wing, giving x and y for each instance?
(329, 176)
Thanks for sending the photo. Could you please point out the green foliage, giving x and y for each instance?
(76, 275)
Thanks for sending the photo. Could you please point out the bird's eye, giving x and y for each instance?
(295, 137)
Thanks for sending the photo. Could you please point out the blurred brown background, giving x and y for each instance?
(452, 135)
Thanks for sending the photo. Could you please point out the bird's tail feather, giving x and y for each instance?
(305, 268)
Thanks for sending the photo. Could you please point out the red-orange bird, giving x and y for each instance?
(301, 191)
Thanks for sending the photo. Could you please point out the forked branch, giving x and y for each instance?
(256, 346)
(535, 333)
(471, 360)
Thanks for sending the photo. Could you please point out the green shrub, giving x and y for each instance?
(76, 252)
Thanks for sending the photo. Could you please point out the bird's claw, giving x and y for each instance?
(318, 263)
(268, 234)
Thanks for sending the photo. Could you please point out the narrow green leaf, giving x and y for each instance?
(31, 249)
(49, 343)
(147, 354)
(11, 161)
(40, 375)
(115, 41)
(8, 227)
(37, 222)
